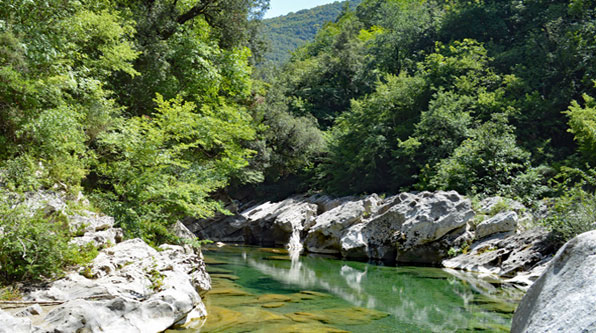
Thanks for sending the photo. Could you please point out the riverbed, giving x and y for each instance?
(262, 290)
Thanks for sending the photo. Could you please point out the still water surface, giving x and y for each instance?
(261, 290)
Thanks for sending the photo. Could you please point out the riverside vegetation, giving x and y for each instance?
(152, 109)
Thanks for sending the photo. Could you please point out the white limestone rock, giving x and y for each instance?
(130, 287)
(329, 228)
(10, 324)
(502, 222)
(563, 299)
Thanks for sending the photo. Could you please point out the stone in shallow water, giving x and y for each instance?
(220, 318)
(231, 301)
(298, 297)
(214, 262)
(225, 276)
(276, 251)
(494, 305)
(306, 317)
(273, 305)
(268, 298)
(314, 293)
(342, 316)
(282, 258)
(229, 292)
(218, 270)
(306, 328)
(352, 316)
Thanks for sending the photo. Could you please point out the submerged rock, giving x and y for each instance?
(563, 299)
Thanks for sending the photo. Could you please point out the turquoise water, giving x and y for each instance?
(261, 290)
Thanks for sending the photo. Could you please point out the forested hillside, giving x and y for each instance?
(482, 97)
(286, 33)
(150, 108)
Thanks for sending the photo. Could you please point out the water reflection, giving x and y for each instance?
(418, 299)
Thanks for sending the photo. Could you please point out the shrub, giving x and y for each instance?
(34, 246)
(573, 213)
(489, 162)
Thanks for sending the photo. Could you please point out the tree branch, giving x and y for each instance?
(198, 9)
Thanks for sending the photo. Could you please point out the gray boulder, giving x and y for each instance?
(87, 221)
(329, 228)
(505, 255)
(267, 224)
(430, 216)
(502, 222)
(412, 228)
(272, 224)
(33, 310)
(229, 229)
(564, 298)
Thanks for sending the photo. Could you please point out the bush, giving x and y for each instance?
(34, 246)
(156, 170)
(490, 162)
(573, 213)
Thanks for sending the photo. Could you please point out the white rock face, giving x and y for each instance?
(10, 324)
(502, 222)
(324, 236)
(130, 287)
(272, 224)
(430, 216)
(87, 221)
(564, 297)
(507, 256)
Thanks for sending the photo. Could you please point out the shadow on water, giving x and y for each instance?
(262, 290)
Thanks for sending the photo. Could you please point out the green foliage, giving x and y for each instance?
(155, 277)
(33, 246)
(364, 139)
(582, 124)
(488, 162)
(10, 293)
(288, 144)
(53, 99)
(572, 213)
(162, 168)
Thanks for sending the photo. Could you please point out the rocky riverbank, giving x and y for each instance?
(440, 228)
(128, 287)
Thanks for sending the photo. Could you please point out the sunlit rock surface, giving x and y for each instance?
(508, 256)
(426, 228)
(564, 297)
(128, 287)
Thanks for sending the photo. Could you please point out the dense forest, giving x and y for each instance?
(151, 109)
(286, 33)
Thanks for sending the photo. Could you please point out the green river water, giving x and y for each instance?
(261, 290)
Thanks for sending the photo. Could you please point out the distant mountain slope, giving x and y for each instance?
(286, 33)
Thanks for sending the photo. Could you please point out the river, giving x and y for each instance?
(262, 290)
